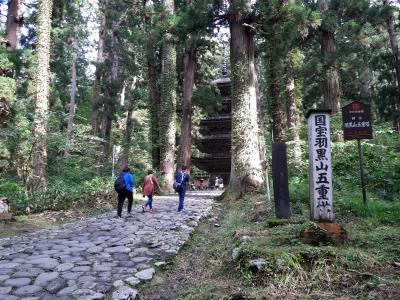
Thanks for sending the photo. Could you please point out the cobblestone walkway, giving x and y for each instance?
(99, 256)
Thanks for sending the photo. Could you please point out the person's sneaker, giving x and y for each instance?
(151, 210)
(129, 214)
(183, 211)
(143, 208)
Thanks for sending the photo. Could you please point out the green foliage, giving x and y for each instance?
(60, 195)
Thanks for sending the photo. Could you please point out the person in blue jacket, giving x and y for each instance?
(126, 192)
(183, 178)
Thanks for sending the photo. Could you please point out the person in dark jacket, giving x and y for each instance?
(127, 192)
(183, 178)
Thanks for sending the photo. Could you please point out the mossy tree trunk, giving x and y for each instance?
(71, 113)
(96, 98)
(167, 115)
(328, 50)
(129, 124)
(246, 169)
(396, 56)
(38, 178)
(153, 77)
(278, 129)
(111, 91)
(291, 109)
(185, 145)
(13, 24)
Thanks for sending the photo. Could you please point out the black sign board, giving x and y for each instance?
(357, 121)
(280, 179)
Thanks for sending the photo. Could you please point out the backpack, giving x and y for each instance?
(119, 183)
(177, 186)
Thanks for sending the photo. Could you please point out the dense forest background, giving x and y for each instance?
(83, 82)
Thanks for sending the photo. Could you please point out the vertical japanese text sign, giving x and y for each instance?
(319, 141)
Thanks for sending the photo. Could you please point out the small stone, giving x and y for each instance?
(124, 292)
(17, 282)
(245, 239)
(118, 249)
(81, 269)
(44, 278)
(280, 262)
(10, 265)
(256, 264)
(5, 290)
(235, 253)
(68, 290)
(4, 277)
(65, 267)
(56, 285)
(101, 268)
(132, 281)
(140, 259)
(217, 225)
(27, 290)
(8, 297)
(45, 263)
(146, 274)
(118, 283)
(159, 263)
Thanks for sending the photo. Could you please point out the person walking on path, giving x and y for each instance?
(148, 189)
(183, 178)
(124, 187)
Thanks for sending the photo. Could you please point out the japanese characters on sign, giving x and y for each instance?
(357, 123)
(320, 166)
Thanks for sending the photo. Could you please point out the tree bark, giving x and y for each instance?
(168, 105)
(277, 110)
(154, 95)
(13, 24)
(396, 55)
(129, 125)
(72, 106)
(246, 169)
(110, 93)
(38, 177)
(185, 146)
(291, 109)
(96, 100)
(328, 50)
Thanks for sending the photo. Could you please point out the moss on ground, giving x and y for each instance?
(366, 267)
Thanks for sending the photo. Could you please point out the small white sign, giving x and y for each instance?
(319, 141)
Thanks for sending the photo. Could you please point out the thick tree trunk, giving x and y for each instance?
(72, 105)
(278, 132)
(168, 105)
(396, 55)
(291, 110)
(96, 100)
(328, 50)
(185, 146)
(38, 177)
(110, 93)
(246, 169)
(129, 125)
(13, 24)
(154, 95)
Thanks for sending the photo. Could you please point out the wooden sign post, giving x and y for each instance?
(319, 141)
(357, 125)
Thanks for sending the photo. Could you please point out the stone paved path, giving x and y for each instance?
(98, 256)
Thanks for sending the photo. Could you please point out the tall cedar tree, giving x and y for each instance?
(167, 115)
(96, 100)
(152, 73)
(38, 178)
(246, 169)
(13, 24)
(396, 56)
(328, 51)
